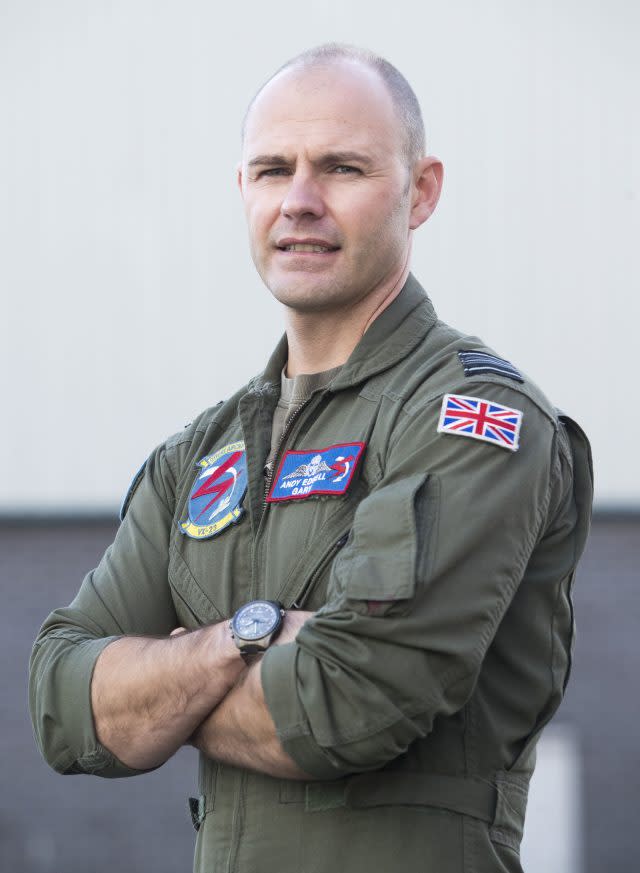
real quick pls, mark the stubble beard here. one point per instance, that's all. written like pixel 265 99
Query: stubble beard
pixel 334 293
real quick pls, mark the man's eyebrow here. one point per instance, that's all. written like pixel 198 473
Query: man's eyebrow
pixel 268 161
pixel 347 157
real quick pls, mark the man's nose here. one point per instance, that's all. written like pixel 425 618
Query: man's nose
pixel 303 197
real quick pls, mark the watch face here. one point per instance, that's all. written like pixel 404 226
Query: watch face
pixel 256 620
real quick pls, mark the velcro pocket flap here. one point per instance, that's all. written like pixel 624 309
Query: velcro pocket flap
pixel 380 562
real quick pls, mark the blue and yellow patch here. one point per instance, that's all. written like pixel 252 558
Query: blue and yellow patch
pixel 217 493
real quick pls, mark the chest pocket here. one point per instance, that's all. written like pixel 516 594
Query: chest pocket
pixel 193 603
pixel 210 577
pixel 210 542
pixel 306 581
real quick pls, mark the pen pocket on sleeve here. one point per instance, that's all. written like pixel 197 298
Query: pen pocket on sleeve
pixel 388 551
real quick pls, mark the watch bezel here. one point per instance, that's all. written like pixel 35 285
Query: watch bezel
pixel 257 643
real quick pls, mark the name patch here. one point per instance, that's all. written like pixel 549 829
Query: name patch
pixel 481 420
pixel 317 471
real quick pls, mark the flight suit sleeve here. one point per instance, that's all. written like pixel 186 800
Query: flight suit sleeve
pixel 435 555
pixel 128 593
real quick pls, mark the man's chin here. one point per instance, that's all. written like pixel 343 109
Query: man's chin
pixel 309 297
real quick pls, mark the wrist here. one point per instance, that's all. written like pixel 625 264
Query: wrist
pixel 223 660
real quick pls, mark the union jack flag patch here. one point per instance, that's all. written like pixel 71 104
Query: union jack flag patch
pixel 481 420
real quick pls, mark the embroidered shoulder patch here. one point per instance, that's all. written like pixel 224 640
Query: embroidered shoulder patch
pixel 131 491
pixel 476 363
pixel 316 471
pixel 217 493
pixel 481 420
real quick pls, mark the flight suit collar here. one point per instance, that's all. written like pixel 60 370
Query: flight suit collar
pixel 391 337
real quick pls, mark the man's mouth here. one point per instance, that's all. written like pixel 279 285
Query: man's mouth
pixel 312 247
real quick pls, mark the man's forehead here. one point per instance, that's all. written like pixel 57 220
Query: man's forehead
pixel 317 141
pixel 305 81
pixel 340 108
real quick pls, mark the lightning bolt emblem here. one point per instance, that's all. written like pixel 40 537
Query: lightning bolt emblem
pixel 213 486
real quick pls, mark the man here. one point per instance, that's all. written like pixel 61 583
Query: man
pixel 411 499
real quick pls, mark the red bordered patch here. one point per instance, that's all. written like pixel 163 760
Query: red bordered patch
pixel 316 471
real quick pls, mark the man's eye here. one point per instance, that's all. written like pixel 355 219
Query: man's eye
pixel 273 171
pixel 344 169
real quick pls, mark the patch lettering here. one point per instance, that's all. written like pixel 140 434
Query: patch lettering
pixel 316 471
pixel 217 493
pixel 477 363
pixel 481 420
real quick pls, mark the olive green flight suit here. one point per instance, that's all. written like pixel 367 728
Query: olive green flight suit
pixel 441 643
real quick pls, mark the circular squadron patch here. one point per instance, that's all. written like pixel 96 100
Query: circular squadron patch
pixel 219 488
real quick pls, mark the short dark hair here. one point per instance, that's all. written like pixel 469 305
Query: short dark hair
pixel 403 96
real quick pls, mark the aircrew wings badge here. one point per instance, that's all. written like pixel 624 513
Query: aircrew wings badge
pixel 481 420
pixel 218 491
pixel 315 471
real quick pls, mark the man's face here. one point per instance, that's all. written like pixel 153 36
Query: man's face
pixel 326 187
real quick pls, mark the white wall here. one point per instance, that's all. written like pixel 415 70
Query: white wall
pixel 128 298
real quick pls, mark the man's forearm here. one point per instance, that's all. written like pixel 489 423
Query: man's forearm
pixel 241 732
pixel 148 696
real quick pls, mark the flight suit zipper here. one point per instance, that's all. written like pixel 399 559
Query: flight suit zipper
pixel 237 823
pixel 276 455
pixel 255 592
pixel 238 811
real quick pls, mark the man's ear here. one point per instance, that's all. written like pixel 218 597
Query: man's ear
pixel 428 174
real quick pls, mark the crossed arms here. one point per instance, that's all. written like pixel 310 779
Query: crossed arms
pixel 151 696
pixel 357 688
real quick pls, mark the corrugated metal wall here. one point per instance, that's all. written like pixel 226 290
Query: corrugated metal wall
pixel 129 301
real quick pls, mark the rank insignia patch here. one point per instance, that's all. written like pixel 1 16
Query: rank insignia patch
pixel 317 471
pixel 480 420
pixel 220 486
pixel 478 363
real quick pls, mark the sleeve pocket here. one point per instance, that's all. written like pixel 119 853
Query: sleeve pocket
pixel 388 549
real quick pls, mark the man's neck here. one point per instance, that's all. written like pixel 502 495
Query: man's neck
pixel 320 341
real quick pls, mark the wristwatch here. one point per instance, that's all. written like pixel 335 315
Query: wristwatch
pixel 256 625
